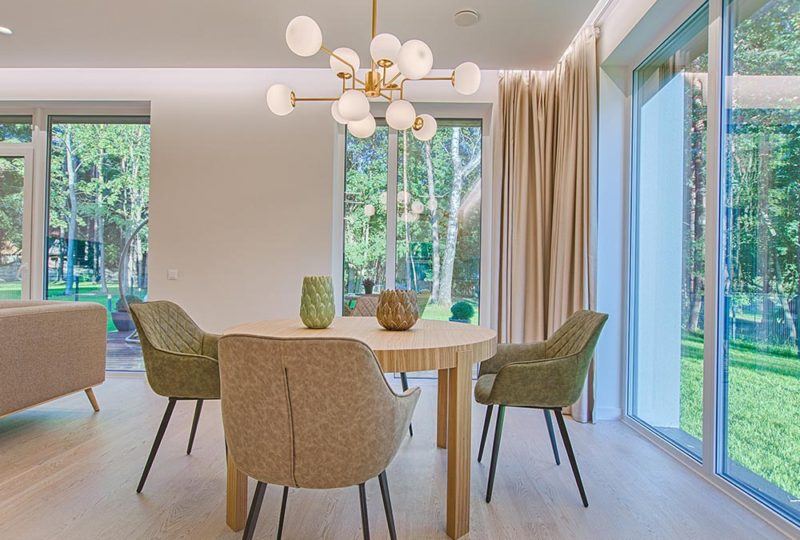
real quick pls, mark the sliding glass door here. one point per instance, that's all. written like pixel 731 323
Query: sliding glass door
pixel 760 390
pixel 666 384
pixel 715 249
pixel 96 231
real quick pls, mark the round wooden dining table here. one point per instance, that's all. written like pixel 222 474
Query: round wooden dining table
pixel 447 347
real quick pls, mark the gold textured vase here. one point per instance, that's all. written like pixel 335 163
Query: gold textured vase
pixel 397 310
pixel 316 304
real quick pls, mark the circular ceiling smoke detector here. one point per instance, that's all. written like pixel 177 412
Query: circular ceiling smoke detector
pixel 466 17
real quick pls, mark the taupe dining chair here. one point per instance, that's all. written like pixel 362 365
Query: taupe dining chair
pixel 547 375
pixel 286 424
pixel 180 360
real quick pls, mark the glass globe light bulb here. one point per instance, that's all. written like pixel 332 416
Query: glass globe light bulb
pixel 400 115
pixel 335 113
pixel 362 128
pixel 279 99
pixel 427 129
pixel 337 66
pixel 353 105
pixel 467 78
pixel 384 47
pixel 303 36
pixel 415 59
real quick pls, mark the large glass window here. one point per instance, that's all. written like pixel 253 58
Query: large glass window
pixel 434 234
pixel 761 238
pixel 439 219
pixel 97 238
pixel 365 183
pixel 669 232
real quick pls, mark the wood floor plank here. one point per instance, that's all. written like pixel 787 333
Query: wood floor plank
pixel 69 473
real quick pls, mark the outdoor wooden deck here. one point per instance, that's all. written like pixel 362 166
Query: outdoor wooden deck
pixel 122 356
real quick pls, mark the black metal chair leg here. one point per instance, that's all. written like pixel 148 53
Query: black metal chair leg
pixel 387 505
pixel 283 511
pixel 362 495
pixel 552 435
pixel 486 422
pixel 156 443
pixel 255 508
pixel 498 432
pixel 197 410
pixel 404 384
pixel 565 438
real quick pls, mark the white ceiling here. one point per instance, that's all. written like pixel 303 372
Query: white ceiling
pixel 250 33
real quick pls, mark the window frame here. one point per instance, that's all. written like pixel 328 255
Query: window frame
pixel 444 111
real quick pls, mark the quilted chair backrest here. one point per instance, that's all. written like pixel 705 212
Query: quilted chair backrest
pixel 164 325
pixel 578 334
pixel 314 413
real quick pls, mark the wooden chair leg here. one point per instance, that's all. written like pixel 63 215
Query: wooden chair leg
pixel 362 495
pixel 255 508
pixel 283 511
pixel 92 399
pixel 486 422
pixel 156 443
pixel 498 432
pixel 565 438
pixel 387 505
pixel 197 409
pixel 404 384
pixel 552 435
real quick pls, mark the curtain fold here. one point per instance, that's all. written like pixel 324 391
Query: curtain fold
pixel 545 152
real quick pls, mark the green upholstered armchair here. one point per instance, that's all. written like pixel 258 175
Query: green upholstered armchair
pixel 180 360
pixel 547 375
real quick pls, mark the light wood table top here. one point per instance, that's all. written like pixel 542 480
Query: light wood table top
pixel 429 345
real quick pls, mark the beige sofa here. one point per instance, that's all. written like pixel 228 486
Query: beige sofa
pixel 49 350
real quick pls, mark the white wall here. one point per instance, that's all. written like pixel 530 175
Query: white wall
pixel 240 200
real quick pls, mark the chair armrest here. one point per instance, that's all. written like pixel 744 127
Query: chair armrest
pixel 183 375
pixel 211 345
pixel 508 353
pixel 553 382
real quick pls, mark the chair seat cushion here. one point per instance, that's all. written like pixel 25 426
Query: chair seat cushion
pixel 483 388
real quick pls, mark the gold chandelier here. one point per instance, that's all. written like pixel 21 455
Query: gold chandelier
pixel 392 65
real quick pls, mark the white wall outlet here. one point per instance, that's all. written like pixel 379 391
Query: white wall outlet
pixel 172 273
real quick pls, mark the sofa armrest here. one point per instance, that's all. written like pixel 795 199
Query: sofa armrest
pixel 48 350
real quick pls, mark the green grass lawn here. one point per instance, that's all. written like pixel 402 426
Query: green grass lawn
pixel 763 408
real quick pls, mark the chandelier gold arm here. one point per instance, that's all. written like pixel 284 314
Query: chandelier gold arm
pixel 343 61
pixel 296 99
pixel 451 78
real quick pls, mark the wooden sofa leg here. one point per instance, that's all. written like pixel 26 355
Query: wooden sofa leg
pixel 92 399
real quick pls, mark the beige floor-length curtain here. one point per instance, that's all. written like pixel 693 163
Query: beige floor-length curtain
pixel 545 150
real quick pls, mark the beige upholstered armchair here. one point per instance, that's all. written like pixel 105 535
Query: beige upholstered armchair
pixel 180 360
pixel 286 424
pixel 548 375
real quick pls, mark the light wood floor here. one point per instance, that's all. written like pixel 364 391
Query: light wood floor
pixel 68 473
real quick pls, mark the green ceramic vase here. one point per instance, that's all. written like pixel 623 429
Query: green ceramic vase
pixel 316 305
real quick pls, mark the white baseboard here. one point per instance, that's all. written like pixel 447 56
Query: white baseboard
pixel 607 413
